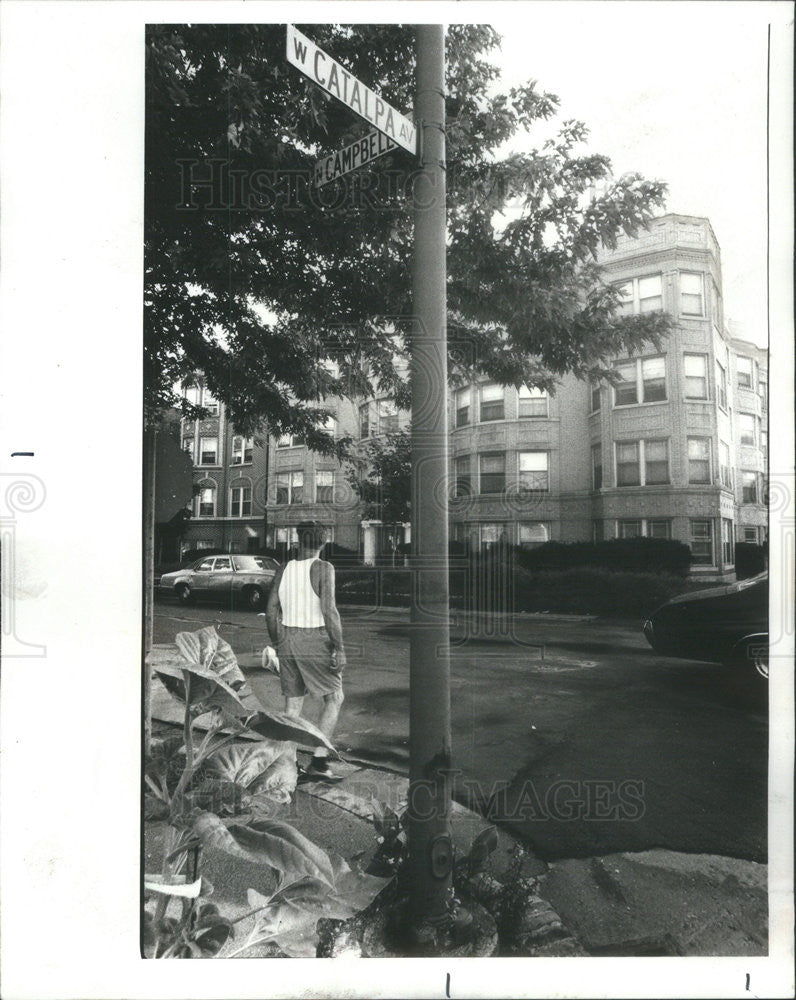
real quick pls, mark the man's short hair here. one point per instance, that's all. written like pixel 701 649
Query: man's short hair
pixel 311 534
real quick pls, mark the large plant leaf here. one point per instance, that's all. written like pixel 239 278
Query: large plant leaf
pixel 207 688
pixel 244 765
pixel 278 726
pixel 278 782
pixel 266 842
pixel 206 650
pixel 176 886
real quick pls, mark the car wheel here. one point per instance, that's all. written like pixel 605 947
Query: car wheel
pixel 752 657
pixel 183 592
pixel 254 598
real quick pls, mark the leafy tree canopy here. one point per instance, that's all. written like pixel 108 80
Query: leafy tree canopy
pixel 283 294
pixel 381 477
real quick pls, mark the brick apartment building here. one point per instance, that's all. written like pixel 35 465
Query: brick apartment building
pixel 678 449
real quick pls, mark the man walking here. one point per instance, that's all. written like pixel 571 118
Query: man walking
pixel 304 625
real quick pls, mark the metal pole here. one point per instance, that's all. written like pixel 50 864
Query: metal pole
pixel 430 850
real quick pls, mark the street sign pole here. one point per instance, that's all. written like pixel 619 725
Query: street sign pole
pixel 429 835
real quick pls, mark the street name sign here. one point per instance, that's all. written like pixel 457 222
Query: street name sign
pixel 322 69
pixel 358 154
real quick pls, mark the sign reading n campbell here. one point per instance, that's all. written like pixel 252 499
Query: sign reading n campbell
pixel 322 69
pixel 358 154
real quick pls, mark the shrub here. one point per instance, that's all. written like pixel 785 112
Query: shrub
pixel 749 560
pixel 639 555
pixel 594 591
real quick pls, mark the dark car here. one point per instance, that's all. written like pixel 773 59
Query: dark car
pixel 726 624
pixel 223 577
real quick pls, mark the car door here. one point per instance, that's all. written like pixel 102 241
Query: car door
pixel 220 582
pixel 201 577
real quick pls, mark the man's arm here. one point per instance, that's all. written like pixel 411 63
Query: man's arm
pixel 273 608
pixel 331 616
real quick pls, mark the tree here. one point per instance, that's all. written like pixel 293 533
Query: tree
pixel 381 476
pixel 283 295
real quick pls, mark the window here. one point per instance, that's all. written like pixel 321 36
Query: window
pixel 596 394
pixel 192 394
pixel 286 536
pixel 492 403
pixel 493 472
pixel 656 462
pixel 644 528
pixel 762 391
pixel 205 566
pixel 242 450
pixel 463 484
pixel 387 417
pixel 209 402
pixel 463 406
pixel 727 542
pixel 534 473
pixel 364 420
pixel 597 531
pixel 324 487
pixel 749 487
pixel 746 427
pixel 188 445
pixel 721 385
pixel 691 294
pixel 699 460
pixel 596 466
pixel 696 376
pixel 640 295
pixel 750 535
pixel 744 368
pixel 206 501
pixel 764 444
pixel 531 402
pixel 289 487
pixel 715 301
pixel 702 542
pixel 240 501
pixel 491 535
pixel 627 464
pixel 641 381
pixel 208 451
pixel 725 473
pixel 642 463
pixel 532 534
pixel 289 441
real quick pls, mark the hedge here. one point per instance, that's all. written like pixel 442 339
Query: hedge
pixel 638 555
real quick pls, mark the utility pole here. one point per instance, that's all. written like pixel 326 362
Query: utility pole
pixel 430 847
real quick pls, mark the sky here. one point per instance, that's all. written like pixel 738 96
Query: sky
pixel 676 92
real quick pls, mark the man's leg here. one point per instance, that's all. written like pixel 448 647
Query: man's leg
pixel 293 706
pixel 329 715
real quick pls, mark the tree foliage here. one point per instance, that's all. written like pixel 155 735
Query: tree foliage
pixel 381 477
pixel 261 281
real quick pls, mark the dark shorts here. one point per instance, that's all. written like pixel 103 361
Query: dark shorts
pixel 305 660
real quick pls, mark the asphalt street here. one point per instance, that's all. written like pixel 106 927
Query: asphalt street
pixel 572 732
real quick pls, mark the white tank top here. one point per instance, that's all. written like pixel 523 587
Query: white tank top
pixel 301 606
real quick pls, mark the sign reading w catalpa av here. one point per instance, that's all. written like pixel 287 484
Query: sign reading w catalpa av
pixel 314 63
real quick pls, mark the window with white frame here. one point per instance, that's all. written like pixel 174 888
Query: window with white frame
pixel 534 470
pixel 240 501
pixel 696 376
pixel 209 402
pixel 192 394
pixel 289 441
pixel 208 451
pixel 189 445
pixel 596 466
pixel 750 535
pixel 387 416
pixel 744 371
pixel 596 397
pixel 699 461
pixel 492 472
pixel 490 535
pixel 642 463
pixel 531 402
pixel 206 501
pixel 691 301
pixel 701 542
pixel 492 402
pixel 463 406
pixel 725 470
pixel 324 486
pixel 721 385
pixel 746 429
pixel 749 487
pixel 289 487
pixel 642 380
pixel 641 295
pixel 532 534
pixel 727 542
pixel 762 391
pixel 644 528
pixel 242 450
pixel 328 424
